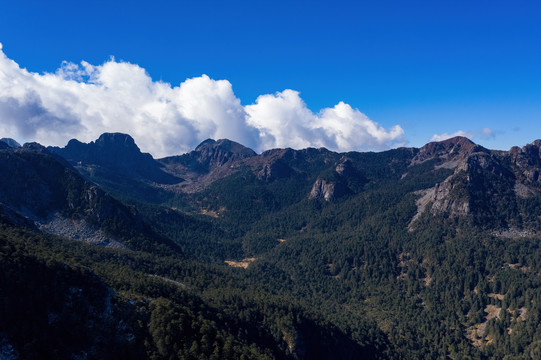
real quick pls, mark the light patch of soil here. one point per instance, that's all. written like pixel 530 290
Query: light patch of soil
pixel 496 296
pixel 518 315
pixel 244 263
pixel 210 213
pixel 492 311
pixel 427 280
pixel 518 266
pixel 476 333
pixel 523 191
pixel 522 314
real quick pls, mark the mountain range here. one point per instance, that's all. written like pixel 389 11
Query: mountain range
pixel 410 253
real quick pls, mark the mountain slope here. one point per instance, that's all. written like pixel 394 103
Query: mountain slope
pixel 116 163
pixel 45 189
pixel 407 253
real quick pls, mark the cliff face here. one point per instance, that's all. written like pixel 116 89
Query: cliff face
pixel 114 155
pixel 485 184
pixel 527 161
pixel 328 191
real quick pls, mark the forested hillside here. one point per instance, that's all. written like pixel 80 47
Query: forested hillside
pixel 427 253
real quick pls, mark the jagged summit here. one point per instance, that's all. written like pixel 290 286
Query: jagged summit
pixel 117 154
pixel 10 143
pixel 226 145
pixel 211 154
pixel 110 149
pixel 456 147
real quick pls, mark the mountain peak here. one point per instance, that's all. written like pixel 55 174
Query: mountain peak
pixel 227 146
pixel 116 152
pixel 10 143
pixel 454 144
pixel 116 139
pixel 455 147
pixel 215 153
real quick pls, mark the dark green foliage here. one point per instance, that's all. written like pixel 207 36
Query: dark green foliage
pixel 344 279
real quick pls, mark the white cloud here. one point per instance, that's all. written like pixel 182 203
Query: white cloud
pixel 284 120
pixel 82 101
pixel 487 134
pixel 484 133
pixel 440 137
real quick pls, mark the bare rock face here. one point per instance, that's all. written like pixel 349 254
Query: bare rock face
pixel 449 152
pixel 443 203
pixel 477 173
pixel 114 154
pixel 484 162
pixel 211 154
pixel 345 168
pixel 528 161
pixel 327 191
pixel 276 169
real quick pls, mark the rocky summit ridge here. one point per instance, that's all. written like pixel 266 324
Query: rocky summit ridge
pixel 475 178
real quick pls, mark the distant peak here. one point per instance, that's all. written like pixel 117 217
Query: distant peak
pixel 10 143
pixel 450 148
pixel 34 146
pixel 457 140
pixel 457 144
pixel 115 138
pixel 206 144
pixel 227 146
pixel 536 143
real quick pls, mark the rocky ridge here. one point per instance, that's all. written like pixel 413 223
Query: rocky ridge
pixel 478 179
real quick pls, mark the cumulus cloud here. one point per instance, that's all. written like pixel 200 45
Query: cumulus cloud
pixel 284 120
pixel 82 101
pixel 440 137
pixel 485 134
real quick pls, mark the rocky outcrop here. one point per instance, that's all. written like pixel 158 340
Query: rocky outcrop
pixel 480 183
pixel 527 161
pixel 209 155
pixel 273 170
pixel 211 160
pixel 448 153
pixel 79 229
pixel 443 202
pixel 114 154
pixel 212 153
pixel 345 168
pixel 328 191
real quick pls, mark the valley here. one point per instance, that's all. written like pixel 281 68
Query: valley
pixel 223 253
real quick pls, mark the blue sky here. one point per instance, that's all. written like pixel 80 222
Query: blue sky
pixel 430 67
